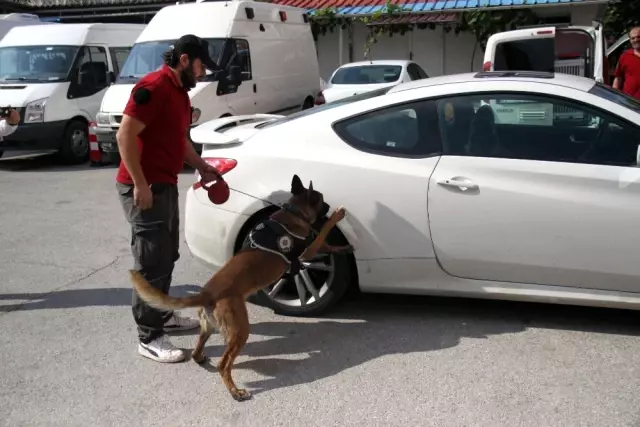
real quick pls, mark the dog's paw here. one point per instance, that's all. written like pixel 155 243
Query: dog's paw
pixel 241 395
pixel 199 358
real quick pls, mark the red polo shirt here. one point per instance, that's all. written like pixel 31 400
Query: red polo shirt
pixel 628 70
pixel 165 109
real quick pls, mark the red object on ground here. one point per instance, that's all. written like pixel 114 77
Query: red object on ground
pixel 95 156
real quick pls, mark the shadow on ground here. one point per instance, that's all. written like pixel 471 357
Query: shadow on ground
pixel 376 326
pixel 75 298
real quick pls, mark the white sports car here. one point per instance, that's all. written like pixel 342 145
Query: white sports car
pixel 504 185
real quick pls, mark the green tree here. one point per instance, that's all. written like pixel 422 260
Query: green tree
pixel 621 16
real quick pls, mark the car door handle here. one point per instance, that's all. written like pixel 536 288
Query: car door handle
pixel 461 183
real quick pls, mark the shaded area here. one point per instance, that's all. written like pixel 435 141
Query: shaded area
pixel 377 326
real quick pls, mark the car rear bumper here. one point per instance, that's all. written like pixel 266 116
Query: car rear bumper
pixel 210 231
pixel 35 136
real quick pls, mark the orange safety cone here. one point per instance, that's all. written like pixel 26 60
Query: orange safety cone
pixel 95 155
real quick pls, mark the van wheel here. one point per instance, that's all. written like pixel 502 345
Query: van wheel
pixel 75 143
pixel 308 103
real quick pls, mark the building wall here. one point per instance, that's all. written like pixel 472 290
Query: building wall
pixel 437 52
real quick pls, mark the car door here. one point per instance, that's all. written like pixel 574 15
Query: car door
pixel 539 201
pixel 93 67
pixel 245 100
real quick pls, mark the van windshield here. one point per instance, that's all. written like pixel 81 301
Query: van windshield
pixel 36 64
pixel 146 57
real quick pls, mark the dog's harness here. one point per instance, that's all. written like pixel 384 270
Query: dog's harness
pixel 271 236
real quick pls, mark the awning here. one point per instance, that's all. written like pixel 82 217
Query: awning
pixel 367 7
pixel 423 18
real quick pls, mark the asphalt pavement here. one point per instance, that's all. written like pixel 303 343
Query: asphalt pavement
pixel 68 344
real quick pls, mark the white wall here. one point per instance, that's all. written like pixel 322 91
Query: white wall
pixel 427 45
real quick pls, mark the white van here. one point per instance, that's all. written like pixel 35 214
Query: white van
pixel 56 77
pixel 271 44
pixel 10 20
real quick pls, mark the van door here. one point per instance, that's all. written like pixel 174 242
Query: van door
pixel 245 100
pixel 613 55
pixel 90 80
pixel 528 49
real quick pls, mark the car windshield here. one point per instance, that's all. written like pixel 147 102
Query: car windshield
pixel 327 106
pixel 36 64
pixel 146 57
pixel 616 96
pixel 367 74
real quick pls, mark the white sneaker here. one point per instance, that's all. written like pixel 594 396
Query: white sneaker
pixel 161 350
pixel 180 323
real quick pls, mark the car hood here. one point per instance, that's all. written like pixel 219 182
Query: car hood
pixel 335 92
pixel 117 96
pixel 20 94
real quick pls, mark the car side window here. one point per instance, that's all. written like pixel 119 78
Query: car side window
pixel 536 127
pixel 405 130
pixel 412 70
pixel 243 58
pixel 90 70
pixel 421 73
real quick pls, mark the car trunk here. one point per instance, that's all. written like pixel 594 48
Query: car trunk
pixel 561 50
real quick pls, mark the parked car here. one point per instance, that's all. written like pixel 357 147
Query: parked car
pixel 359 77
pixel 55 76
pixel 441 198
pixel 251 35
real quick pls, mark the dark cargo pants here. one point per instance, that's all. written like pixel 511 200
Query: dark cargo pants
pixel 155 240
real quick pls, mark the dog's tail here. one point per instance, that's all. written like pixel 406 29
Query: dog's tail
pixel 157 299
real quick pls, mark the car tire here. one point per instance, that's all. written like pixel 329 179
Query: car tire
pixel 332 288
pixel 75 143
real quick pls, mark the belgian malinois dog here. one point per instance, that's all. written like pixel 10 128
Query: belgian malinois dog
pixel 271 248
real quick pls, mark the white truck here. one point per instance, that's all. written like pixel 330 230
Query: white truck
pixel 271 46
pixel 56 78
pixel 11 20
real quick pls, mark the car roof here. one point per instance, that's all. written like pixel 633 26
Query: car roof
pixel 377 62
pixel 575 82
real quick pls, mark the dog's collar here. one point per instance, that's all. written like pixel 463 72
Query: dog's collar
pixel 295 211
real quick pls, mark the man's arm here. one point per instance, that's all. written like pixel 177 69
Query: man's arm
pixel 617 84
pixel 191 157
pixel 127 137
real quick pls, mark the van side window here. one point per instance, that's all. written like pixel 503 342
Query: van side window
pixel 119 55
pixel 243 58
pixel 90 72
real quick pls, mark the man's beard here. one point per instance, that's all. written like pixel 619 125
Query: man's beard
pixel 188 78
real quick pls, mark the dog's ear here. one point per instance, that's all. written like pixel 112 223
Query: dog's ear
pixel 310 186
pixel 296 186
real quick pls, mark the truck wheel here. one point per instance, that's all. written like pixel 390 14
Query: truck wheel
pixel 75 143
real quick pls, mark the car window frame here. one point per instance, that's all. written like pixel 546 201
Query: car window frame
pixel 338 125
pixel 589 108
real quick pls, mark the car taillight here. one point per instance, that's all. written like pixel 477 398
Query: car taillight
pixel 319 99
pixel 486 66
pixel 222 165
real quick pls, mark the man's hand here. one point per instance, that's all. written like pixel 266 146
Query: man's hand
pixel 14 117
pixel 208 173
pixel 142 197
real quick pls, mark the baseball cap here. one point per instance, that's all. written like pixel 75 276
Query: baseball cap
pixel 195 47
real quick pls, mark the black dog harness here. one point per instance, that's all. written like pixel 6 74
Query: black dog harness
pixel 271 236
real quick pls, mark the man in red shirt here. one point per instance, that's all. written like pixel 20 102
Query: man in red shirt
pixel 153 145
pixel 627 75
